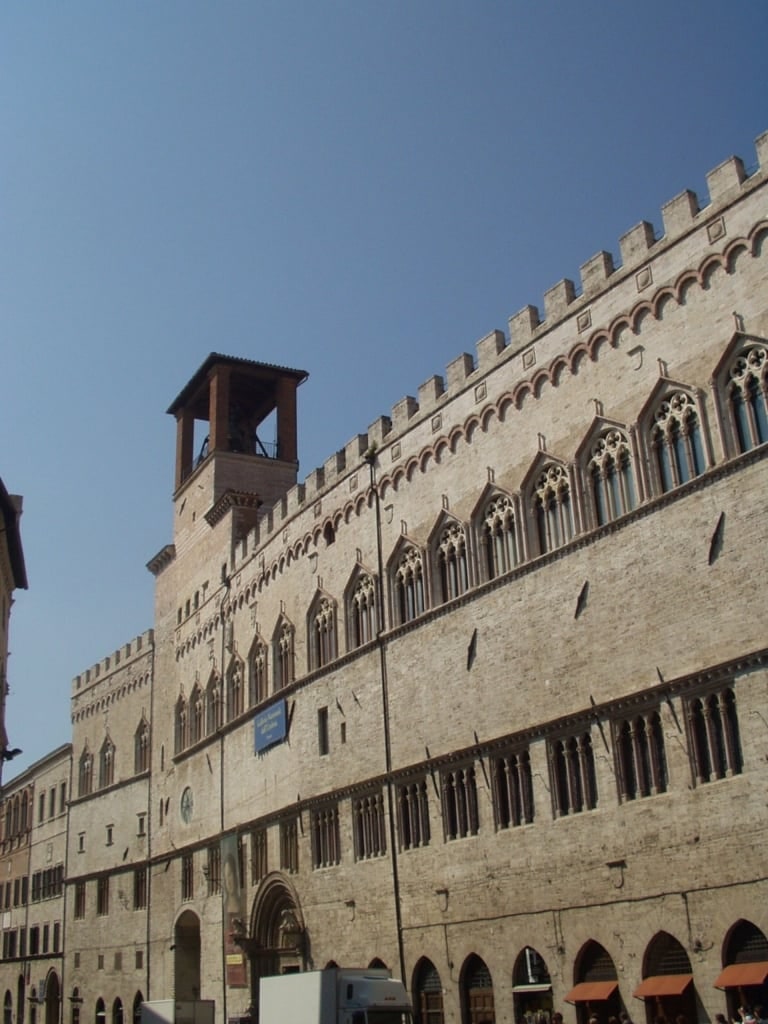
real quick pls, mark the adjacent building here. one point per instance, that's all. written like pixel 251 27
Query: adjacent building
pixel 483 699
pixel 33 850
pixel 13 576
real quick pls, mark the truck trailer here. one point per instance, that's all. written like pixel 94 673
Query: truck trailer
pixel 337 995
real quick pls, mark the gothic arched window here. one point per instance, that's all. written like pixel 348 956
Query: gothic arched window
pixel 572 769
pixel 283 660
pixel 552 508
pixel 196 715
pixel 213 702
pixel 611 476
pixel 676 442
pixel 235 690
pixel 107 764
pixel 714 732
pixel 641 761
pixel 748 397
pixel 141 748
pixel 180 725
pixel 499 537
pixel 322 627
pixel 361 613
pixel 85 773
pixel 450 552
pixel 257 677
pixel 408 584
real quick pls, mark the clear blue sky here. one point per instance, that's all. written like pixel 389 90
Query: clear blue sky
pixel 359 189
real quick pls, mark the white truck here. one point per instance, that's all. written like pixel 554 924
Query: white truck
pixel 337 995
pixel 172 1011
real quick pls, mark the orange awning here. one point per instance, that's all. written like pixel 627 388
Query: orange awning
pixel 739 975
pixel 591 991
pixel 663 985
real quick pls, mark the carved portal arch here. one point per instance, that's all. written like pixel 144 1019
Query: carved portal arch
pixel 277 941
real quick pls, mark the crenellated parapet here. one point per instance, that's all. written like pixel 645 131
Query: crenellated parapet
pixel 615 294
pixel 122 658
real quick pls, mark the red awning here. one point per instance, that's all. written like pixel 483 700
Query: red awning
pixel 663 985
pixel 739 975
pixel 591 991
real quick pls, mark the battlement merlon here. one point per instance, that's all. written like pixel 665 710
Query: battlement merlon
pixel 679 216
pixel 120 659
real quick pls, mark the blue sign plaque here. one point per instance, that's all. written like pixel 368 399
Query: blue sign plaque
pixel 269 727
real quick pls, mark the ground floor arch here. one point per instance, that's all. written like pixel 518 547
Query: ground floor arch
pixel 277 941
pixel 52 998
pixel 186 959
pixel 667 987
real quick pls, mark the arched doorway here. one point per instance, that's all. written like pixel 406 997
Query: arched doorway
pixel 52 998
pixel 278 943
pixel 596 985
pixel 117 1011
pixel 186 961
pixel 531 987
pixel 20 989
pixel 101 1011
pixel 377 964
pixel 427 991
pixel 138 999
pixel 667 986
pixel 476 987
pixel 745 968
pixel 8 1008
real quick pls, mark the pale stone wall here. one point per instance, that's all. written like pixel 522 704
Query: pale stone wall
pixel 29 908
pixel 108 834
pixel 508 663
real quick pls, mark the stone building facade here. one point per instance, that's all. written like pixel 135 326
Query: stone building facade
pixel 33 850
pixel 13 576
pixel 483 698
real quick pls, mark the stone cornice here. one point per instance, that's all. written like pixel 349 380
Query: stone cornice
pixel 162 559
pixel 230 500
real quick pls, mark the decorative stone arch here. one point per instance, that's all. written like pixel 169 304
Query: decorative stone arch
pixel 278 941
pixel 377 964
pixel 138 999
